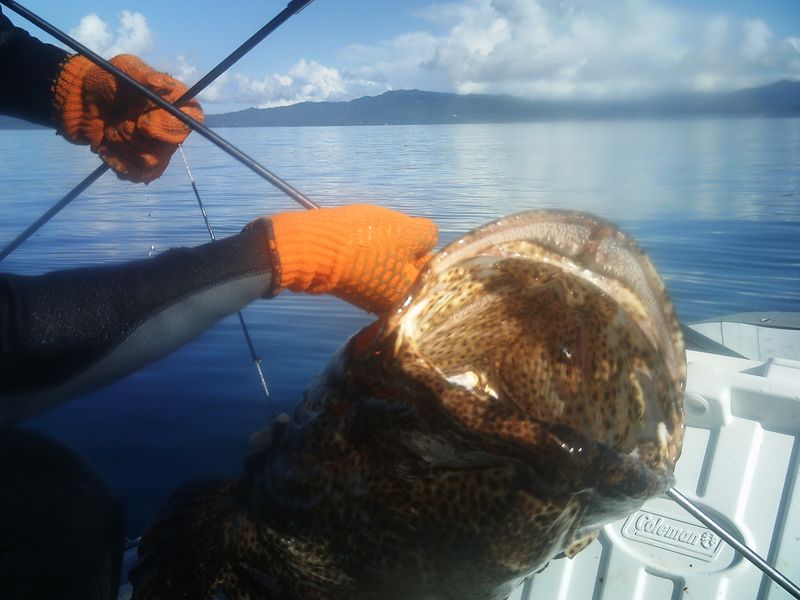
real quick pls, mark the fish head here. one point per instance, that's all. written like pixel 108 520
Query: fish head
pixel 549 339
pixel 526 392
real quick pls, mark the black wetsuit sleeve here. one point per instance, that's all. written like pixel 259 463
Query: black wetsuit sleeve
pixel 28 68
pixel 66 332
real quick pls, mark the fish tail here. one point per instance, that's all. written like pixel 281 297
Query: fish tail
pixel 191 549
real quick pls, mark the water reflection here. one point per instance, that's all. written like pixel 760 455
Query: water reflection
pixel 715 202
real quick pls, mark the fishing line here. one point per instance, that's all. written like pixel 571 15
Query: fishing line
pixel 255 358
pixel 294 7
pixel 741 548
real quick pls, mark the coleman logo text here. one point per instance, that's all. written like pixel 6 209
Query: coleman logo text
pixel 685 538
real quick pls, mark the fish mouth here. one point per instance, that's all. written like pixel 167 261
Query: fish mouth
pixel 551 317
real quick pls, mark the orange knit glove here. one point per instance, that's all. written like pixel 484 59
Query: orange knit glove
pixel 365 254
pixel 126 129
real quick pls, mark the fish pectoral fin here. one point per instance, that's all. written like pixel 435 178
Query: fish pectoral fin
pixel 579 544
pixel 190 550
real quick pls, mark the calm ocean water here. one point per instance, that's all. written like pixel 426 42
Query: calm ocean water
pixel 715 202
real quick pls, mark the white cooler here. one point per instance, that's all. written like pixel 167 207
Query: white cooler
pixel 740 465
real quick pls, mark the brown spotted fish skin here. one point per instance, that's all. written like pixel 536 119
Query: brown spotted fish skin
pixel 528 392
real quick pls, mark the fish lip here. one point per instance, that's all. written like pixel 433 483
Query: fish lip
pixel 577 236
pixel 509 228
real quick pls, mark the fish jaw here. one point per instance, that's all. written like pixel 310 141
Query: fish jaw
pixel 550 333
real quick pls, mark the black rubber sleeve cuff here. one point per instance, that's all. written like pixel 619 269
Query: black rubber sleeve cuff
pixel 272 250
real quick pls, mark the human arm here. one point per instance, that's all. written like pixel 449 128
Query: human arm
pixel 28 68
pixel 67 332
pixel 89 106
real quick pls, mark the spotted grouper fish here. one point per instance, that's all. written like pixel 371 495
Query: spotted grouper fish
pixel 527 392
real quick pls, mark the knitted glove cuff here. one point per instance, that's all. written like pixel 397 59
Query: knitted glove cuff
pixel 272 252
pixel 306 252
pixel 68 101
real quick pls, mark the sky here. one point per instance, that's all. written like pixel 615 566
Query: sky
pixel 342 49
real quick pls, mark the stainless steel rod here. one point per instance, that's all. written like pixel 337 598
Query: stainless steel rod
pixel 741 548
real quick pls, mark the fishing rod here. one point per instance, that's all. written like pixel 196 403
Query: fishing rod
pixel 292 8
pixel 741 548
pixel 253 356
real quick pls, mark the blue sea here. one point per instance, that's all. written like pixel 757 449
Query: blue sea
pixel 715 202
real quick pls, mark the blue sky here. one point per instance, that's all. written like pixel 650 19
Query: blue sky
pixel 341 49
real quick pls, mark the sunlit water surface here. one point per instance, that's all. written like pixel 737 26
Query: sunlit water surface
pixel 715 202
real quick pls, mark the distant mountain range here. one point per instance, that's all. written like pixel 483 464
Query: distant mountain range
pixel 415 107
pixel 412 107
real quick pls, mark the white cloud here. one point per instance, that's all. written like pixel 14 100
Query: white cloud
pixel 217 90
pixel 132 36
pixel 536 48
pixel 757 39
pixel 305 81
pixel 397 63
pixel 182 69
pixel 93 33
pixel 577 48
